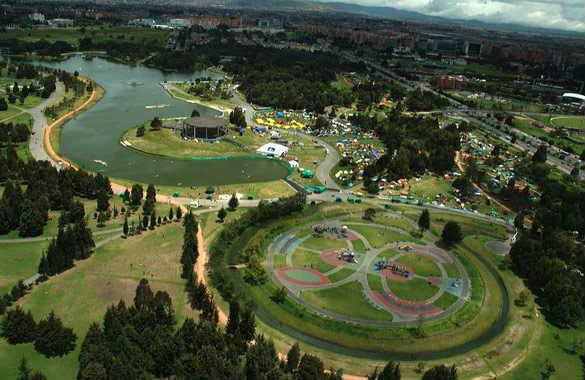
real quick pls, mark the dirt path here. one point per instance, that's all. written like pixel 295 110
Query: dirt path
pixel 200 271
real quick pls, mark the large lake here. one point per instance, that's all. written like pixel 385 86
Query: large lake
pixel 94 134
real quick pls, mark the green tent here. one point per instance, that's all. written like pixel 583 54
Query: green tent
pixel 306 173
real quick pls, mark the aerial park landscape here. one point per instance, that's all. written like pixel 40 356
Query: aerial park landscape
pixel 168 220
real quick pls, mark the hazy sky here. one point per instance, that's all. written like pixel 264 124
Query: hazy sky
pixel 560 14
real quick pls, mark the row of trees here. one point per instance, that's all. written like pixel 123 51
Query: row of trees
pixel 50 337
pixel 73 242
pixel 17 292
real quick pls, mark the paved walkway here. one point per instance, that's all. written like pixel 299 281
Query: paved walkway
pixel 36 143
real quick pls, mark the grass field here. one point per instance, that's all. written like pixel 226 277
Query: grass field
pixel 320 243
pixel 414 290
pixel 348 300
pixel 259 190
pixel 309 259
pixel 81 295
pixel 341 274
pixel 429 187
pixel 358 245
pixel 379 237
pixel 568 122
pixel 19 262
pixel 165 142
pixel 451 269
pixel 525 125
pixel 421 265
pixel 445 300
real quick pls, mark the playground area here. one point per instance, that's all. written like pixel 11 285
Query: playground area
pixel 362 272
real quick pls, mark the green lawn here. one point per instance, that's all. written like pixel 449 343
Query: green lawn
pixel 346 299
pixel 321 243
pixel 341 274
pixel 525 125
pixel 468 226
pixel 309 259
pixel 358 245
pixel 81 295
pixel 9 114
pixel 378 236
pixel 568 122
pixel 19 262
pixel 279 260
pixel 421 265
pixel 452 270
pixel 414 290
pixel 446 300
pixel 375 282
pixel 429 187
pixel 166 143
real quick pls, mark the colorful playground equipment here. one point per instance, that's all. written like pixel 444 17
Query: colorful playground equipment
pixel 397 269
pixel 347 255
pixel 320 229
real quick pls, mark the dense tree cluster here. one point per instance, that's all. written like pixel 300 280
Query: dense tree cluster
pixel 46 189
pixel 413 145
pixel 15 133
pixel 41 47
pixel 50 337
pixel 238 118
pixel 550 255
pixel 372 92
pixel 290 79
pixel 420 100
pixel 141 341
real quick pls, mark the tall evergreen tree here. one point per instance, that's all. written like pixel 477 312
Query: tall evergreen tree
pixel 233 203
pixel 310 368
pixel 452 233
pixel 424 221
pixel 18 326
pixel 53 339
pixel 125 228
pixel 292 358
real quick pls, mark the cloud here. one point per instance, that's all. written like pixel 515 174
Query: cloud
pixel 560 14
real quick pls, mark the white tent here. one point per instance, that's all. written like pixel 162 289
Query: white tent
pixel 272 150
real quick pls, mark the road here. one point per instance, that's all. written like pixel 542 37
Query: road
pixel 36 142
